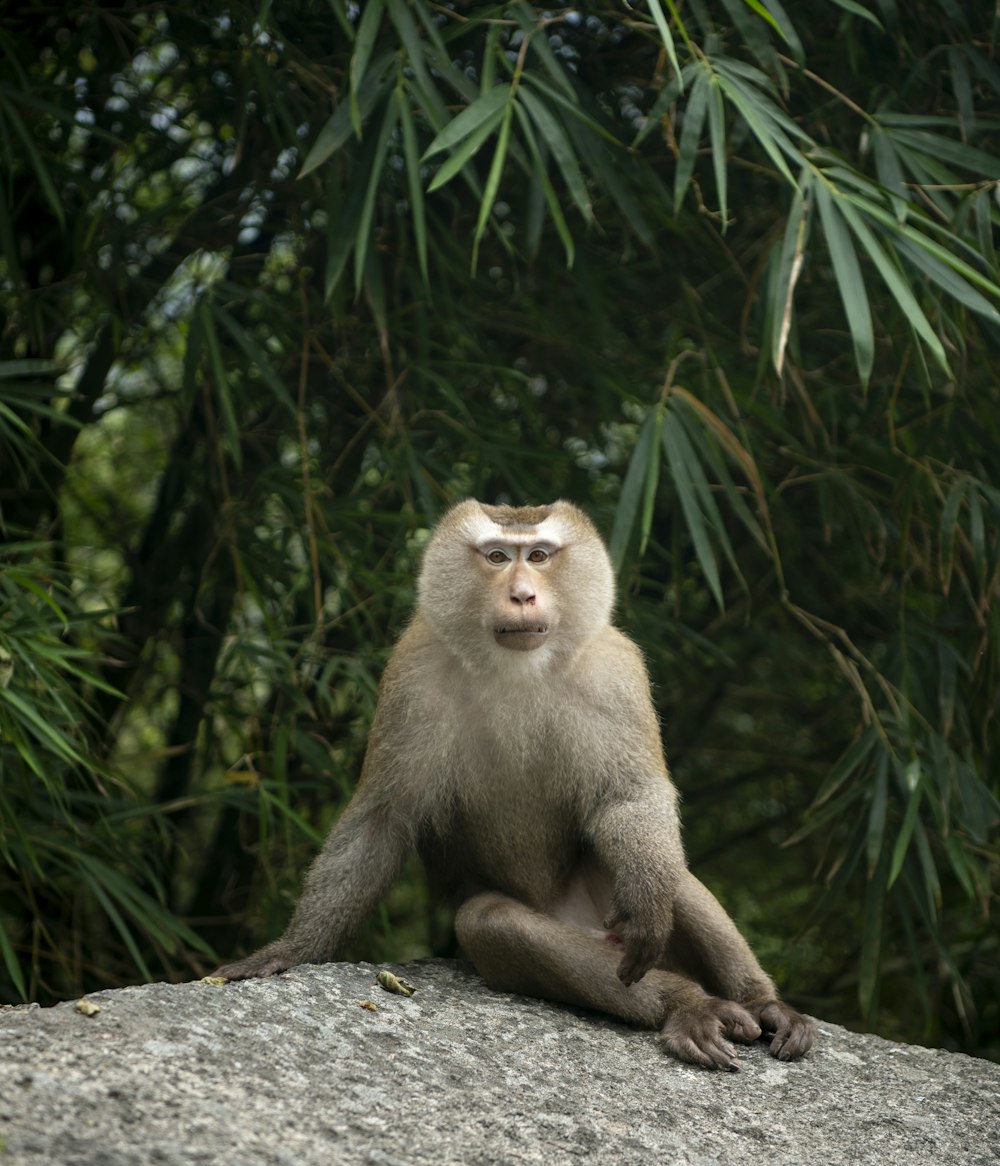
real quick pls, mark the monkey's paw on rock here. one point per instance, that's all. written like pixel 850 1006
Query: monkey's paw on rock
pixel 698 1033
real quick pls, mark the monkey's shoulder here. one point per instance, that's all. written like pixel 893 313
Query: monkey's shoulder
pixel 613 664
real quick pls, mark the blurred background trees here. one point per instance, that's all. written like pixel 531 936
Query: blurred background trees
pixel 280 282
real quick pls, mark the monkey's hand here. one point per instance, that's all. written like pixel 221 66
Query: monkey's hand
pixel 700 1032
pixel 644 946
pixel 267 962
pixel 792 1033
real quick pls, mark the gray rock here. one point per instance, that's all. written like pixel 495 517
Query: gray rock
pixel 292 1071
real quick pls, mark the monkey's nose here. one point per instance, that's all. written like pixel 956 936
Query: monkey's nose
pixel 522 593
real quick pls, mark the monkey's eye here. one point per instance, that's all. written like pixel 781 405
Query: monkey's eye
pixel 538 555
pixel 497 557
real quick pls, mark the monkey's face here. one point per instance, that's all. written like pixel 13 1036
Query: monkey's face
pixel 519 579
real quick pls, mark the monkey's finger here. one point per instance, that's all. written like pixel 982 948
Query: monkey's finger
pixel 633 967
pixel 793 1034
pixel 737 1023
pixel 792 1043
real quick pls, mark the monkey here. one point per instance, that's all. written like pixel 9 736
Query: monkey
pixel 515 746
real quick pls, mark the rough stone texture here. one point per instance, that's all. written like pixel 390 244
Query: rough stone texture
pixel 292 1071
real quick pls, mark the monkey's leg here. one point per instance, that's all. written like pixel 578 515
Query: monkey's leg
pixel 707 945
pixel 517 949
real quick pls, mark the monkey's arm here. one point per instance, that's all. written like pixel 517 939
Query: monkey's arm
pixel 636 837
pixel 361 857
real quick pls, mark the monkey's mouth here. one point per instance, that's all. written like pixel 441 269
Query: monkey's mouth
pixel 521 637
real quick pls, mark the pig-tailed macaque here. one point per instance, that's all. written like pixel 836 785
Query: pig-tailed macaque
pixel 516 748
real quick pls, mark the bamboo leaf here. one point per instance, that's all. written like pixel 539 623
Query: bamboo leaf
pixel 492 182
pixel 652 478
pixel 11 963
pixel 788 269
pixel 890 172
pixel 402 18
pixel 364 227
pixel 852 764
pixel 45 733
pixel 694 120
pixel 859 10
pixel 528 18
pixel 871 938
pixel 41 171
pixel 877 812
pixel 977 535
pixel 899 288
pixel 339 127
pixel 540 176
pixel 439 56
pixel 607 170
pixel 371 19
pixel 752 108
pixel 692 492
pixel 466 152
pixel 668 95
pixel 221 381
pixel 414 182
pixel 667 37
pixel 909 821
pixel 643 465
pixel 850 283
pixel 486 109
pixel 961 84
pixel 559 144
pixel 117 922
pixel 717 133
pixel 945 277
pixel 775 12
pixel 941 148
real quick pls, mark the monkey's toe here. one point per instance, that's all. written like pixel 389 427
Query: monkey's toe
pixel 792 1033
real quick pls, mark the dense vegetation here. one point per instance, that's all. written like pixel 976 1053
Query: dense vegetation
pixel 280 282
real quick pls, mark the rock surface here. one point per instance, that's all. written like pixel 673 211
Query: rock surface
pixel 293 1071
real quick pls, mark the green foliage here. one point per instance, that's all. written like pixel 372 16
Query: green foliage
pixel 280 284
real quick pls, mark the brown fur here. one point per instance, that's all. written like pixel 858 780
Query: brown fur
pixel 533 785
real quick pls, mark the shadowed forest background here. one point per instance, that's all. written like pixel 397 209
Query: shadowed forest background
pixel 279 283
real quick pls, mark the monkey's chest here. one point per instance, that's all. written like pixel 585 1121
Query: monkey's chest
pixel 512 824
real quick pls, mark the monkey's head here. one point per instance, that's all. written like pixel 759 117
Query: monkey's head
pixel 530 581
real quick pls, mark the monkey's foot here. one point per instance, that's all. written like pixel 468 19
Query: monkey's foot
pixel 701 1033
pixel 793 1034
pixel 265 962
